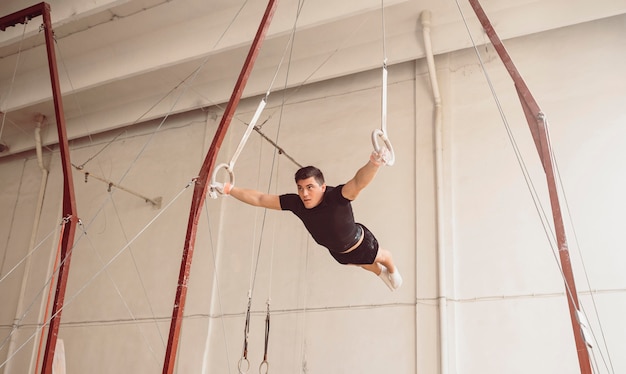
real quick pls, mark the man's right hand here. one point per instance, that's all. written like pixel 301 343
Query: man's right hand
pixel 222 188
pixel 380 158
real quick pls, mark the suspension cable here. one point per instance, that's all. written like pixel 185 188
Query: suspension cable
pixel 17 64
pixel 244 364
pixel 540 210
pixel 229 167
pixel 90 280
pixel 57 257
pixel 27 310
pixel 216 282
pixel 265 366
pixel 608 365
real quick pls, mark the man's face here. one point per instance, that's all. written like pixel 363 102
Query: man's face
pixel 310 192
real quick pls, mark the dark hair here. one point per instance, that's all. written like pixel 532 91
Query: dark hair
pixel 308 172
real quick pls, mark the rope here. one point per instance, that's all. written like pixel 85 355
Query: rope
pixel 57 257
pixel 264 366
pixel 244 364
pixel 538 206
pixel 13 213
pixel 119 293
pixel 32 251
pixel 32 304
pixel 18 323
pixel 578 247
pixel 77 102
pixel 244 359
pixel 304 306
pixel 68 301
pixel 252 125
pixel 193 74
pixel 190 77
pixel 286 97
pixel 17 64
pixel 141 282
pixel 217 285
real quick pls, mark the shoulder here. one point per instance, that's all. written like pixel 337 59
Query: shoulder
pixel 290 201
pixel 337 193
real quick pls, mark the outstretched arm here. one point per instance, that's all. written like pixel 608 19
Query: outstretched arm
pixel 256 198
pixel 361 179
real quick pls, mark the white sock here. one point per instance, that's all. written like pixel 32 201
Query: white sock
pixel 386 277
pixel 395 278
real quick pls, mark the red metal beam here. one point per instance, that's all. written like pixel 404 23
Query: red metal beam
pixel 22 16
pixel 69 201
pixel 535 119
pixel 200 190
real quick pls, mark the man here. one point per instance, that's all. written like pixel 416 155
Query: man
pixel 327 214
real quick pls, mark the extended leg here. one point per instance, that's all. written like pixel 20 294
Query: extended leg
pixel 383 267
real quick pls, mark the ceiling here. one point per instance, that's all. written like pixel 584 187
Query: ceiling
pixel 122 62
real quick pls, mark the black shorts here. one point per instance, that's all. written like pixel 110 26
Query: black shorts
pixel 364 254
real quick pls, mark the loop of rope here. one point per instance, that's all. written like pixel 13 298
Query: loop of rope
pixel 265 364
pixel 246 334
pixel 243 365
pixel 264 367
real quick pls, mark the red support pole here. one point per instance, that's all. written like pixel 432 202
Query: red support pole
pixel 200 190
pixel 536 122
pixel 69 201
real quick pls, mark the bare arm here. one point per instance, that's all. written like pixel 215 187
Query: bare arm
pixel 361 179
pixel 256 198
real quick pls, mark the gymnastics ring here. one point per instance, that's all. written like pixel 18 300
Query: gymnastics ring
pixel 266 365
pixel 231 176
pixel 387 143
pixel 241 361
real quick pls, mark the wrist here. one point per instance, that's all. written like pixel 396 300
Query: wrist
pixel 374 160
pixel 227 188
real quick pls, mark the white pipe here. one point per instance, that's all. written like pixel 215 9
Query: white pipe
pixel 441 254
pixel 27 263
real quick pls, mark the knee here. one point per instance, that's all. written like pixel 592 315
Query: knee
pixel 383 255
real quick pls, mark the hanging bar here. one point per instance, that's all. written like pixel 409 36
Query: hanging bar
pixel 200 190
pixel 537 124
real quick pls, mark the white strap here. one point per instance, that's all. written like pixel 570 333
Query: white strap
pixel 246 135
pixel 231 165
pixel 382 132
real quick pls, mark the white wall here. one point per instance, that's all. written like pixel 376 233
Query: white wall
pixel 508 311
